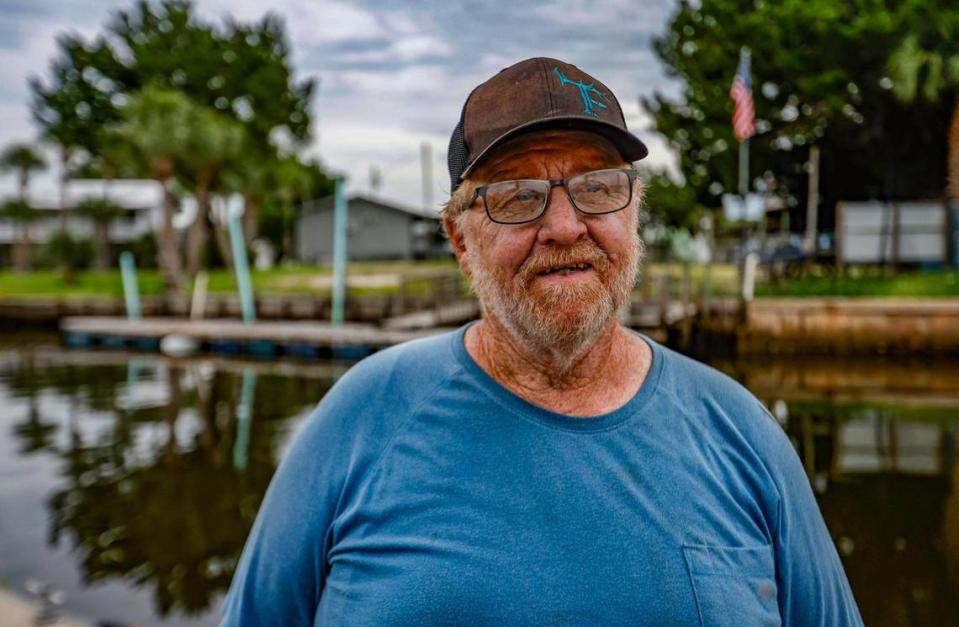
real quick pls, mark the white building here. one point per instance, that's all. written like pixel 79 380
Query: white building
pixel 894 232
pixel 143 200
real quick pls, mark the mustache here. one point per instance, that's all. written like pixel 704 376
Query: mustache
pixel 582 252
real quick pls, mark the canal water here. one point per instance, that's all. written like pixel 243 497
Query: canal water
pixel 128 483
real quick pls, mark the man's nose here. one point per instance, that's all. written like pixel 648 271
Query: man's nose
pixel 562 223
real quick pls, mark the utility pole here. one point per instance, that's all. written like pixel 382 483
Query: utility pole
pixel 426 168
pixel 812 202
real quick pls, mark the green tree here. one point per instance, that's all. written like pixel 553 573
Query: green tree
pixel 157 122
pixel 242 71
pixel 102 213
pixel 294 182
pixel 69 253
pixel 21 159
pixel 819 78
pixel 273 189
pixel 22 215
pixel 215 141
pixel 926 66
pixel 75 104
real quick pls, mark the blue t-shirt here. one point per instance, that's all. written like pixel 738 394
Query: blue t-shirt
pixel 422 492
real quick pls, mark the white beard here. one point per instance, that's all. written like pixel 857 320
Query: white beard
pixel 560 320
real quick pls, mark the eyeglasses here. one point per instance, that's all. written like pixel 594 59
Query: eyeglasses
pixel 525 200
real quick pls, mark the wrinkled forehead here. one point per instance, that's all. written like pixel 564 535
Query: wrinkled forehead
pixel 539 149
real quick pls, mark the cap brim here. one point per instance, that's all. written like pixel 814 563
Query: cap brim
pixel 629 146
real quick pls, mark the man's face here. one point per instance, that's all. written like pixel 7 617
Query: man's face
pixel 516 269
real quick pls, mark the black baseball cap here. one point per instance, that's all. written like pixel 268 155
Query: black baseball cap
pixel 536 94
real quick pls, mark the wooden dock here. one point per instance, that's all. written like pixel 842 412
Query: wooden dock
pixel 452 314
pixel 850 325
pixel 234 337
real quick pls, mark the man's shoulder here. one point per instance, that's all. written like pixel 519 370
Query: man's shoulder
pixel 399 375
pixel 378 395
pixel 419 360
pixel 705 392
pixel 692 376
pixel 722 415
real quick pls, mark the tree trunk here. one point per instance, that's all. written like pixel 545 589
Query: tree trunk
pixel 168 248
pixel 222 237
pixel 251 217
pixel 289 224
pixel 103 244
pixel 952 181
pixel 199 231
pixel 21 249
pixel 168 254
pixel 64 177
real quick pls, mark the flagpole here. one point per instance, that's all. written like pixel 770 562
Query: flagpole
pixel 744 61
pixel 743 190
pixel 744 169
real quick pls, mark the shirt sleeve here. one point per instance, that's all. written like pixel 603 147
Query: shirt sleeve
pixel 280 575
pixel 813 589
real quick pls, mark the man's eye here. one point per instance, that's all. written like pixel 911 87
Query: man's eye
pixel 526 195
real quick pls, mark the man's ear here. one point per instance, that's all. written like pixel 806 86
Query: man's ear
pixel 457 242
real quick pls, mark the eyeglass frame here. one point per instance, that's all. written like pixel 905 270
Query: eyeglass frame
pixel 480 191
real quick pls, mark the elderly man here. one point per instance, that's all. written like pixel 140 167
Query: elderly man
pixel 545 465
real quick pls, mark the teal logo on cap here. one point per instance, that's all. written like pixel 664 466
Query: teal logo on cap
pixel 589 105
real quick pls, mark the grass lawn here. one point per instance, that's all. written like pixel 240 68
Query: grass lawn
pixel 383 277
pixel 288 280
pixel 862 283
pixel 50 283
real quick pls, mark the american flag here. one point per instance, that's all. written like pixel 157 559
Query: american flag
pixel 744 115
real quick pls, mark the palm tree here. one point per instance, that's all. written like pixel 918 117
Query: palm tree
pixel 215 141
pixel 101 212
pixel 156 123
pixel 22 215
pixel 930 69
pixel 23 160
pixel 255 175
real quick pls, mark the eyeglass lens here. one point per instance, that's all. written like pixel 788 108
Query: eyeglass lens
pixel 602 191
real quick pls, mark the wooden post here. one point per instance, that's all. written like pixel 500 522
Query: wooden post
pixel 198 303
pixel 131 293
pixel 812 201
pixel 339 252
pixel 401 296
pixel 895 236
pixel 839 239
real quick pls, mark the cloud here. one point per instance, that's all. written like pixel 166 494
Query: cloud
pixel 391 75
pixel 604 15
pixel 353 148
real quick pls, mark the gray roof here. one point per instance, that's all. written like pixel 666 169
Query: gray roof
pixel 327 203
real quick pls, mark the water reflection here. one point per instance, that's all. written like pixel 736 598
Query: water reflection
pixel 880 444
pixel 162 468
pixel 158 468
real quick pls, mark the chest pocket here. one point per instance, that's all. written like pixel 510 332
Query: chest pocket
pixel 734 586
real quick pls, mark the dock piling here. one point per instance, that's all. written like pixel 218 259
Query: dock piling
pixel 131 293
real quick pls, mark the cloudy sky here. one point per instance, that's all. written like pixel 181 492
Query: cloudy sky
pixel 393 74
